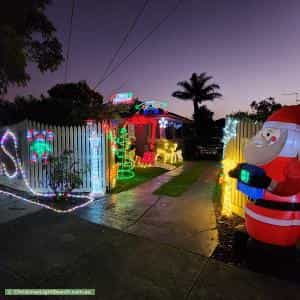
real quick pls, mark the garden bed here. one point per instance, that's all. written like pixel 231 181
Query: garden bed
pixel 226 228
pixel 282 263
pixel 60 205
pixel 63 204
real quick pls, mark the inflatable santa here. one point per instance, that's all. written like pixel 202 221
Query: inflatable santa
pixel 271 179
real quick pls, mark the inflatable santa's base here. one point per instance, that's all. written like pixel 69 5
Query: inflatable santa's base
pixel 274 219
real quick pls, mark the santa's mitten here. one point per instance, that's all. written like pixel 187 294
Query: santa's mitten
pixel 251 175
pixel 235 173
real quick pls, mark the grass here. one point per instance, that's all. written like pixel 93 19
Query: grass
pixel 179 184
pixel 141 175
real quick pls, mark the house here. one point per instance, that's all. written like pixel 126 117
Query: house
pixel 151 126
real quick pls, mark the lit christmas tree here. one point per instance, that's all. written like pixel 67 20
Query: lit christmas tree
pixel 126 164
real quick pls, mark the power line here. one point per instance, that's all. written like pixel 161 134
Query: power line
pixel 69 40
pixel 148 35
pixel 118 88
pixel 124 40
pixel 293 93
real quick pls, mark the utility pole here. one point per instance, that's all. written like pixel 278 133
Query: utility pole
pixel 293 93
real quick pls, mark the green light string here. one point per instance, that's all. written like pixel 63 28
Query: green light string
pixel 126 164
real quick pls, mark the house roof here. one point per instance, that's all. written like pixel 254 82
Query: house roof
pixel 166 114
pixel 179 117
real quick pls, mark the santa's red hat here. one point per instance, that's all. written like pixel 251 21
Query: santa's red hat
pixel 287 117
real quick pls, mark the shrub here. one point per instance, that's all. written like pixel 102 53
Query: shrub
pixel 65 175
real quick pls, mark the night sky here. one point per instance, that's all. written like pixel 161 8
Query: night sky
pixel 250 47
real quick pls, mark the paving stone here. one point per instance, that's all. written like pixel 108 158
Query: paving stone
pixel 219 281
pixel 123 266
pixel 187 221
pixel 9 280
pixel 13 209
pixel 35 244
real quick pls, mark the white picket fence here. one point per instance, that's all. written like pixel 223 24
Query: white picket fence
pixel 74 138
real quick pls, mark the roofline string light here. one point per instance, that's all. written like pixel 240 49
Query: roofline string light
pixel 18 167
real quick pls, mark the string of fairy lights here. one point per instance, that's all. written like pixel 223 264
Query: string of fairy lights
pixel 18 167
pixel 229 131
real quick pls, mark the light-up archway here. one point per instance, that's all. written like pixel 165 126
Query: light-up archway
pixel 144 120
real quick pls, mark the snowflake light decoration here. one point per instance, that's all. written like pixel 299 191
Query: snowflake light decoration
pixel 163 122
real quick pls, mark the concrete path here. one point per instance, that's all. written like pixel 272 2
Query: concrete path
pixel 48 250
pixel 187 222
pixel 123 209
pixel 12 208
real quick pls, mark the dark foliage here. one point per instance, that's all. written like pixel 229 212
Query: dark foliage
pixel 263 109
pixel 67 104
pixel 260 111
pixel 204 123
pixel 115 112
pixel 26 35
pixel 198 90
pixel 204 133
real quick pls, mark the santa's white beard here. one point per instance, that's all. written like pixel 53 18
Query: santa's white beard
pixel 260 151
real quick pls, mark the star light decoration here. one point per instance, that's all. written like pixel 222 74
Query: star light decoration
pixel 163 122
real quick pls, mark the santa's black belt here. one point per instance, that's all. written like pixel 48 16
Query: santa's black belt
pixel 277 205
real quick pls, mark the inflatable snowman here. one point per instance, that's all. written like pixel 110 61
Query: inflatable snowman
pixel 271 179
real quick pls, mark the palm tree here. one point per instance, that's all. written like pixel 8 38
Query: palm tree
pixel 198 90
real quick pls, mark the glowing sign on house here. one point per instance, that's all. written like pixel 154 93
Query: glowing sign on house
pixel 122 98
pixel 156 104
pixel 151 107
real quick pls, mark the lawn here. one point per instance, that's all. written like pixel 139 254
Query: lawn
pixel 141 175
pixel 179 184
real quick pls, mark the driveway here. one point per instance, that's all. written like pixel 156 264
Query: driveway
pixel 187 221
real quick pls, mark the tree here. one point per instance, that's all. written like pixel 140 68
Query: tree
pixel 77 101
pixel 263 109
pixel 26 35
pixel 203 116
pixel 65 104
pixel 198 90
pixel 260 111
pixel 8 113
pixel 204 124
pixel 118 111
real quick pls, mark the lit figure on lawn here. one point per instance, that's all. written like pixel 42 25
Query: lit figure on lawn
pixel 271 179
pixel 40 144
pixel 126 163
